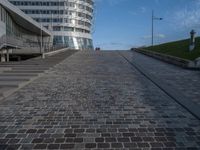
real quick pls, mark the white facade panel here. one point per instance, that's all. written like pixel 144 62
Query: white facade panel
pixel 66 19
pixel 2 29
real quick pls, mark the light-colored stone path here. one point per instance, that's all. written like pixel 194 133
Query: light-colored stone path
pixel 186 81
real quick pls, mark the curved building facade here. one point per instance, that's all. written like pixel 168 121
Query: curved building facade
pixel 70 21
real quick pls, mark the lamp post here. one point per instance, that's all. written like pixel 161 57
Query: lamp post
pixel 41 36
pixel 152 19
pixel 41 40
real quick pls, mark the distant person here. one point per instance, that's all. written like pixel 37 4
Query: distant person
pixel 97 49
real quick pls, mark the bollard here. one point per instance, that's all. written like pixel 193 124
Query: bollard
pixel 7 55
pixel 192 40
pixel 3 57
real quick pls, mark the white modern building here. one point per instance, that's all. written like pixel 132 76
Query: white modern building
pixel 70 21
pixel 19 32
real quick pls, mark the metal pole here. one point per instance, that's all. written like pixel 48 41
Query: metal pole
pixel 41 37
pixel 152 38
pixel 63 26
pixel 51 22
pixel 59 9
pixel 51 40
pixel 7 55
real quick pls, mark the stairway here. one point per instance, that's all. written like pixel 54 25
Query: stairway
pixel 15 75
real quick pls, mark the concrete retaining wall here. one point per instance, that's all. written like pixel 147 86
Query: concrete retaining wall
pixel 171 59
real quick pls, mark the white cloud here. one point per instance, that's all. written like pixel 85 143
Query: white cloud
pixel 188 17
pixel 139 10
pixel 160 36
pixel 133 13
pixel 114 46
pixel 143 9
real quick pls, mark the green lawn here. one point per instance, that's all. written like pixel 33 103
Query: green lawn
pixel 178 49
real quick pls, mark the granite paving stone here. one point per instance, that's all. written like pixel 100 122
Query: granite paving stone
pixel 186 81
pixel 95 100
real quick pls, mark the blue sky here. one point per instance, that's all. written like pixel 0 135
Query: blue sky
pixel 121 24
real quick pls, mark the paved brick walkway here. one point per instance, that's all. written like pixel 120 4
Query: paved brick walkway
pixel 95 100
pixel 187 81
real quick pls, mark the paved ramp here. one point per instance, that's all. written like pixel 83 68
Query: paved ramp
pixel 95 100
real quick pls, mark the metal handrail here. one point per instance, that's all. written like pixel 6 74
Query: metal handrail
pixel 10 41
pixel 17 42
pixel 54 48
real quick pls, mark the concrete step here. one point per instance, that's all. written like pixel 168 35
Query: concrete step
pixel 25 65
pixel 5 90
pixel 5 69
pixel 11 82
pixel 8 85
pixel 19 74
pixel 24 71
pixel 2 76
pixel 7 78
pixel 30 68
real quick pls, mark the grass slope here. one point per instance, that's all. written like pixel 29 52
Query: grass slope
pixel 178 49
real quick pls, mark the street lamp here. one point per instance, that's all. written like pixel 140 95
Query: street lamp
pixel 154 18
pixel 41 35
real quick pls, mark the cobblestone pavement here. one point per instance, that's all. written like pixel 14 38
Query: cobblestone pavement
pixel 187 81
pixel 95 100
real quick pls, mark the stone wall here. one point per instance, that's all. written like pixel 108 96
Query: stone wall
pixel 171 59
